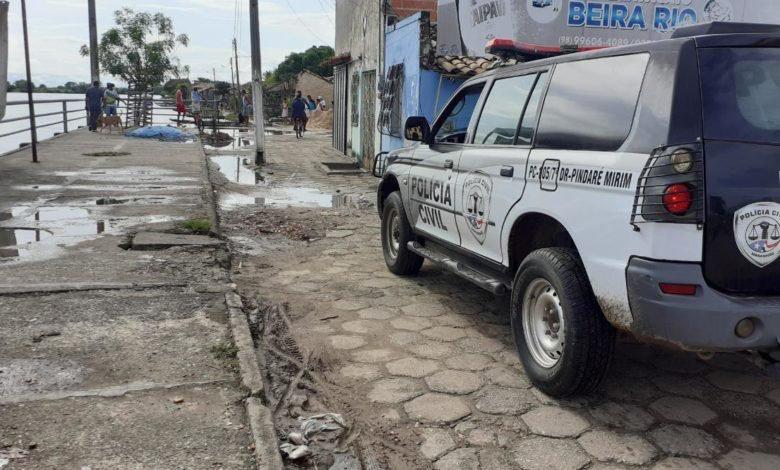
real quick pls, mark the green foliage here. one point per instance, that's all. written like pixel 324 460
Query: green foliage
pixel 139 49
pixel 311 59
pixel 197 225
pixel 170 87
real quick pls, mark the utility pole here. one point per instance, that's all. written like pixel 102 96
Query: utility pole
pixel 238 80
pixel 214 73
pixel 93 43
pixel 33 132
pixel 232 78
pixel 257 77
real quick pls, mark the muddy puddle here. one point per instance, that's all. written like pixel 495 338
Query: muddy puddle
pixel 236 168
pixel 283 197
pixel 127 174
pixel 238 139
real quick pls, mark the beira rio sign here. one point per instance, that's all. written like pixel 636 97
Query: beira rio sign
pixel 546 26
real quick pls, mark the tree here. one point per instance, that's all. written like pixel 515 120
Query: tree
pixel 139 49
pixel 311 59
pixel 21 85
pixel 222 88
pixel 173 84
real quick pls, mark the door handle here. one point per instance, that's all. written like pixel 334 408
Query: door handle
pixel 508 171
pixel 448 163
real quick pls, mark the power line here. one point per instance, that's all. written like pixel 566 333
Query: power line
pixel 327 16
pixel 304 24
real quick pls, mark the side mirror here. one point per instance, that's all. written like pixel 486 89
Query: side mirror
pixel 417 129
pixel 380 164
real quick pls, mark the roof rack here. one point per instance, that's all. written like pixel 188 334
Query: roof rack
pixel 721 27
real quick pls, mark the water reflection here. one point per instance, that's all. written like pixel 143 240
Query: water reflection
pixel 236 168
pixel 292 197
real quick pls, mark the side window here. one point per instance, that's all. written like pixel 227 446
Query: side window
pixel 503 108
pixel 527 126
pixel 452 126
pixel 590 104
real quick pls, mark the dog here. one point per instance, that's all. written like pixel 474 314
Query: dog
pixel 110 122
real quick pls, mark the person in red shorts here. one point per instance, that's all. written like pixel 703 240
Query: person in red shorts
pixel 181 108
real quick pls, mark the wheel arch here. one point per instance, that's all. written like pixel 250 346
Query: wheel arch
pixel 386 187
pixel 535 230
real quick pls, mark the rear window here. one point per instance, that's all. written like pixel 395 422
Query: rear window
pixel 590 103
pixel 741 94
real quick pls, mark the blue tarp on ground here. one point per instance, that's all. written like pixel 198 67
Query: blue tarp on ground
pixel 166 133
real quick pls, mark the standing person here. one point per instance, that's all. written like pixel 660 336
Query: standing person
pixel 285 112
pixel 197 99
pixel 181 108
pixel 247 106
pixel 110 99
pixel 93 103
pixel 321 103
pixel 299 115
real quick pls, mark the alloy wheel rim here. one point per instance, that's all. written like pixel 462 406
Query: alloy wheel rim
pixel 543 323
pixel 393 234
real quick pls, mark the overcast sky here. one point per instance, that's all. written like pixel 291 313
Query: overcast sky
pixel 59 27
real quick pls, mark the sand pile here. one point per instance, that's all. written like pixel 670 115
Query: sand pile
pixel 321 120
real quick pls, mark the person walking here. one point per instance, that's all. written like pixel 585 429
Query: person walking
pixel 299 115
pixel 110 100
pixel 93 103
pixel 197 100
pixel 181 107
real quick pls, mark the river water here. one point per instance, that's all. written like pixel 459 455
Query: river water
pixel 13 111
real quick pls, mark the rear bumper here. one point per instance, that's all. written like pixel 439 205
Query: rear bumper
pixel 705 321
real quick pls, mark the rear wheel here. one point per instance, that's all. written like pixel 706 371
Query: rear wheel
pixel 396 233
pixel 563 339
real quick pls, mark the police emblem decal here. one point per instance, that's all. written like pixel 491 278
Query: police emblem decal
pixel 757 232
pixel 477 187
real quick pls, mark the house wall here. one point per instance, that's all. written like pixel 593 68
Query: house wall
pixel 310 84
pixel 421 86
pixel 405 8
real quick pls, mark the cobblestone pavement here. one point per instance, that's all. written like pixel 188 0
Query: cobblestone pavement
pixel 429 361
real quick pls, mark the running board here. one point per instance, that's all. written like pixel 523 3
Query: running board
pixel 487 282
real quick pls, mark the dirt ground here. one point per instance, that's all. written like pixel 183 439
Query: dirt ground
pixel 423 369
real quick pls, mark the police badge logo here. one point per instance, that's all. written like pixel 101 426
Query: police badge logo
pixel 477 187
pixel 757 232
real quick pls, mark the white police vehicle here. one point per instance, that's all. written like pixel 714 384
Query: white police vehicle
pixel 634 188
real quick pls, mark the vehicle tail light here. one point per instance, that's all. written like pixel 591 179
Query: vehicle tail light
pixel 677 198
pixel 678 289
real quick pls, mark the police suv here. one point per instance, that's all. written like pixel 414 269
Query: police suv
pixel 634 188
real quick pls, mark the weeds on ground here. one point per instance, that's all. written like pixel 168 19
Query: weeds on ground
pixel 197 225
pixel 226 352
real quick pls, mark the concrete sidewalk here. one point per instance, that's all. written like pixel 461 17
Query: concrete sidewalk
pixel 112 357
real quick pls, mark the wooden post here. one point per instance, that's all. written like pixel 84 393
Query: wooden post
pixel 64 116
pixel 93 43
pixel 33 130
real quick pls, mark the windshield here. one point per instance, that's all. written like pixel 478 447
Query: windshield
pixel 741 94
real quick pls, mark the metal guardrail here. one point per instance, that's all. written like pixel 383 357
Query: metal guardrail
pixel 64 112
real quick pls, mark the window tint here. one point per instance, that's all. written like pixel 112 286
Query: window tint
pixel 454 121
pixel 741 93
pixel 531 112
pixel 590 103
pixel 502 110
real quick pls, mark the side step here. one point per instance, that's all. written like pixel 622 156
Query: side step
pixel 487 282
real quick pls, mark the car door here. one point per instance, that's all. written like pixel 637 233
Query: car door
pixel 432 177
pixel 491 170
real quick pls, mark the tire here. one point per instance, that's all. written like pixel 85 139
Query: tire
pixel 562 358
pixel 396 233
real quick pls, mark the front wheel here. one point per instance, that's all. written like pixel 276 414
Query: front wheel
pixel 563 339
pixel 396 233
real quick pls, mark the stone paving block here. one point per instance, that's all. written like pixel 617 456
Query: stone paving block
pixel 349 304
pixel 437 408
pixel 622 388
pixel 377 313
pixel 428 309
pixel 683 410
pixel 505 377
pixel 436 442
pixel 347 341
pixel 453 319
pixel 546 453
pixel 735 382
pixel 469 361
pixel 412 367
pixel 444 333
pixel 774 395
pixel 454 381
pixel 161 241
pixel 623 415
pixel 365 372
pixel 396 390
pixel 495 459
pixel 481 437
pixel 411 323
pixel 683 463
pixel 739 459
pixel 379 283
pixel 376 355
pixel 338 233
pixel 621 448
pixel 461 459
pixel 505 401
pixel 362 326
pixel 676 439
pixel 405 338
pixel 481 344
pixel 432 350
pixel 692 387
pixel 739 436
pixel 553 421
